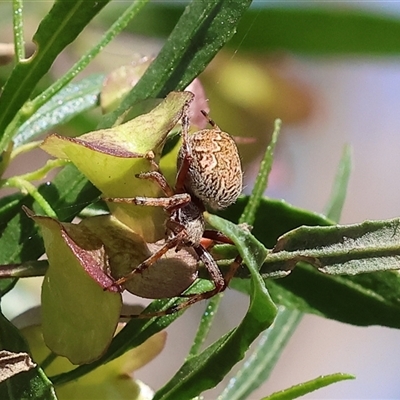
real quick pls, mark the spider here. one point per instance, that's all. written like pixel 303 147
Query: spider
pixel 209 174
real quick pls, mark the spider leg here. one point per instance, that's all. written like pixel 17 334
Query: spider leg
pixel 158 178
pixel 150 156
pixel 175 201
pixel 210 121
pixel 187 159
pixel 220 284
pixel 217 236
pixel 169 244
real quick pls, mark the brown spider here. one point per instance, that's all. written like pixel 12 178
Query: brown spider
pixel 209 173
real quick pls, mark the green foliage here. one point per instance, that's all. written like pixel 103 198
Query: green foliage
pixel 313 29
pixel 307 387
pixel 30 384
pixel 59 28
pixel 75 98
pixel 348 268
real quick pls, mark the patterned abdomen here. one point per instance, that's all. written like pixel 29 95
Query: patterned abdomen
pixel 215 173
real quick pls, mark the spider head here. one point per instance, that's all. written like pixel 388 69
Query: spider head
pixel 190 220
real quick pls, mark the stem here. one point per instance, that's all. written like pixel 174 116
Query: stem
pixel 48 360
pixel 18 27
pixel 22 183
pixel 205 324
pixel 43 171
pixel 27 187
pixel 24 270
pixel 10 131
pixel 114 30
pixel 25 148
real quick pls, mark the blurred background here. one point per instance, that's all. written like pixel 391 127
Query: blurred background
pixel 328 91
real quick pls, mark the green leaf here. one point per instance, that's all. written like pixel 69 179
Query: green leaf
pixel 60 27
pixel 249 213
pixel 32 384
pixel 71 101
pixel 318 30
pixel 122 152
pixel 76 329
pixel 109 382
pixel 272 342
pixel 274 218
pixel 119 82
pixel 339 250
pixel 204 27
pixel 204 371
pixel 307 387
pixel 265 354
pixel 366 299
pixel 15 225
pixel 135 332
pixel 69 193
pixel 335 205
pixel 321 30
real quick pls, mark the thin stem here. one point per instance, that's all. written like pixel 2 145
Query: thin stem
pixel 24 270
pixel 10 131
pixel 48 360
pixel 205 324
pixel 25 148
pixel 114 30
pixel 27 187
pixel 18 27
pixel 43 171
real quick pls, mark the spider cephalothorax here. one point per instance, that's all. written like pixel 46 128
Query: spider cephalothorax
pixel 209 173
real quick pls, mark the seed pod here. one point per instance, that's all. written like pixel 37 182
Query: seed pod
pixel 215 173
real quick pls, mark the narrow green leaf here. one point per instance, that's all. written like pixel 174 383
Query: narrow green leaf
pixel 307 387
pixel 341 249
pixel 205 324
pixel 274 218
pixel 158 19
pixel 74 99
pixel 247 216
pixel 32 384
pixel 204 371
pixel 249 213
pixel 315 30
pixel 334 207
pixel 258 367
pixel 270 345
pixel 18 28
pixel 363 300
pixel 59 28
pixel 272 342
pixel 318 30
pixel 204 27
pixel 115 28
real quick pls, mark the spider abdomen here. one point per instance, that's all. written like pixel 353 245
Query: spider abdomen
pixel 215 173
